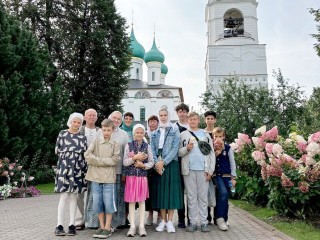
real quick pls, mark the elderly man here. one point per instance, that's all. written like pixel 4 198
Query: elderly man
pixel 90 131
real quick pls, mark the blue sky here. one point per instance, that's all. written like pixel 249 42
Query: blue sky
pixel 283 25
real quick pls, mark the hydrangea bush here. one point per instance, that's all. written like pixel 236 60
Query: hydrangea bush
pixel 289 167
pixel 13 180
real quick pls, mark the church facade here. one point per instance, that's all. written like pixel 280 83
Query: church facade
pixel 145 98
pixel 233 44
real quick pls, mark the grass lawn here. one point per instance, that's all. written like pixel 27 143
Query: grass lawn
pixel 297 229
pixel 46 188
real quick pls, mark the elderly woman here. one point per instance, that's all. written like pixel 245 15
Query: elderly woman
pixel 166 192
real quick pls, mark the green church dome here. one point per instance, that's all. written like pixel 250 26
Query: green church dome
pixel 154 55
pixel 136 48
pixel 164 68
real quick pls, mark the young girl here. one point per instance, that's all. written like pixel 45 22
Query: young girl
pixel 137 159
pixel 166 187
pixel 71 168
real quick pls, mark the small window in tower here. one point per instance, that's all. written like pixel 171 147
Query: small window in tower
pixel 153 76
pixel 233 23
pixel 142 114
pixel 137 72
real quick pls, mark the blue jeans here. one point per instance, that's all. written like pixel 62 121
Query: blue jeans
pixel 223 189
pixel 103 197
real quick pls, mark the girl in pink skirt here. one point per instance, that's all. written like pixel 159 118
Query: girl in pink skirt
pixel 137 159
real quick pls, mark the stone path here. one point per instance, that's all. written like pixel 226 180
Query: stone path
pixel 35 218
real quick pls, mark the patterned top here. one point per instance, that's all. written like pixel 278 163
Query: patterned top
pixel 71 166
pixel 132 149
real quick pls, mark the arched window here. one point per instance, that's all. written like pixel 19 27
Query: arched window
pixel 153 76
pixel 142 114
pixel 137 73
pixel 233 23
pixel 142 94
pixel 164 94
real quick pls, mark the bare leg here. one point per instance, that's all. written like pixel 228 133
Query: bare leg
pixel 108 221
pixel 170 214
pixel 101 220
pixel 164 215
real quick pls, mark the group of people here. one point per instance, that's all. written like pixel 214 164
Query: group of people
pixel 109 172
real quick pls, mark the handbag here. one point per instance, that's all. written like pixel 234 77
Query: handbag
pixel 204 147
pixel 211 194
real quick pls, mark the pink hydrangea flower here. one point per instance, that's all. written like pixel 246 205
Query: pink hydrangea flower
pixel 269 147
pixel 313 149
pixel 270 135
pixel 258 156
pixel 315 137
pixel 259 143
pixel 302 147
pixel 244 138
pixel 303 187
pixel 277 149
pixel 286 182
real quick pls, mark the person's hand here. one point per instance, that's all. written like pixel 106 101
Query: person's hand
pixel 159 167
pixel 190 146
pixel 140 156
pixel 123 179
pixel 139 164
pixel 208 177
pixel 234 182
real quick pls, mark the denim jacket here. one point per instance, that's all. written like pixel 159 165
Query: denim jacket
pixel 170 147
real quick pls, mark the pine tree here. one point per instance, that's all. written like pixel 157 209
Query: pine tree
pixel 31 107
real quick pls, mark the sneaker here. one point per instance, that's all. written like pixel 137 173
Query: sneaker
pixel 161 227
pixel 227 223
pixel 97 232
pixel 191 228
pixel 149 221
pixel 104 234
pixel 80 227
pixel 131 232
pixel 181 225
pixel 204 228
pixel 72 230
pixel 159 220
pixel 222 224
pixel 142 232
pixel 170 227
pixel 60 231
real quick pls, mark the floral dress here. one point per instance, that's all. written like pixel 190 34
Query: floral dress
pixel 71 166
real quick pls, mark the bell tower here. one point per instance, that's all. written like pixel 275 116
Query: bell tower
pixel 233 45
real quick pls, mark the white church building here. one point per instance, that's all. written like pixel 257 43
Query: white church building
pixel 233 44
pixel 145 98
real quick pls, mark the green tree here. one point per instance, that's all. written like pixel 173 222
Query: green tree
pixel 31 107
pixel 309 122
pixel 241 108
pixel 316 14
pixel 88 42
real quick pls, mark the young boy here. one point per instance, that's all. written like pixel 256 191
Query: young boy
pixel 182 111
pixel 102 156
pixel 225 172
pixel 197 170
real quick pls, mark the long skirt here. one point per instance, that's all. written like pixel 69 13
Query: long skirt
pixel 119 217
pixel 166 188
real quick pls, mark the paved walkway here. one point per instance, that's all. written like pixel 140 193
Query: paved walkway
pixel 35 218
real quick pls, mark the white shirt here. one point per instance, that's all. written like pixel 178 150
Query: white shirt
pixel 91 134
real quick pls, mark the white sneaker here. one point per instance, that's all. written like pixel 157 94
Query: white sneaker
pixel 161 227
pixel 149 221
pixel 227 223
pixel 222 224
pixel 170 227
